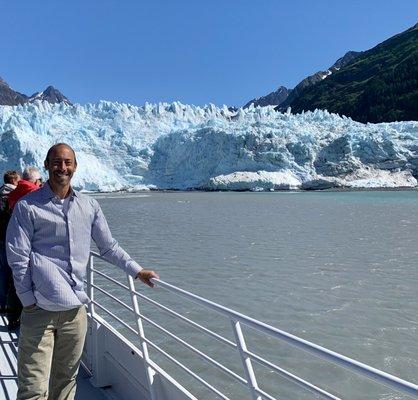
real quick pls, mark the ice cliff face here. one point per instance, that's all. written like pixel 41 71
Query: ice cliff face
pixel 176 146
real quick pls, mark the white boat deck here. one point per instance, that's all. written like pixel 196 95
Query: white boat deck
pixel 8 370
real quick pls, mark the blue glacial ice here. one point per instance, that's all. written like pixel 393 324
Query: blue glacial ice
pixel 177 146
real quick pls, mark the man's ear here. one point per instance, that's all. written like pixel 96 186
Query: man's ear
pixel 46 165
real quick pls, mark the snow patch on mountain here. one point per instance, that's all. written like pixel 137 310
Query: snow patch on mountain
pixel 326 74
pixel 177 146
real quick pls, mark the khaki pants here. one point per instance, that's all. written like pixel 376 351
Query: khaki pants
pixel 49 353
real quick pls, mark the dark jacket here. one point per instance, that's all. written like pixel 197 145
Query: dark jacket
pixel 5 212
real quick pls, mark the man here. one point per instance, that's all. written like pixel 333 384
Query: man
pixel 11 178
pixel 48 241
pixel 31 181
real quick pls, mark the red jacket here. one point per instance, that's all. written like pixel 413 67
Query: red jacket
pixel 23 187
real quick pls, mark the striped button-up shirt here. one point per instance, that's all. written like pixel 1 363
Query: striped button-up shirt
pixel 48 247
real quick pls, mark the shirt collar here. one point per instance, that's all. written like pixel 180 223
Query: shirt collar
pixel 48 193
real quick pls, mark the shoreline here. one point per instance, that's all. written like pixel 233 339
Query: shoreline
pixel 332 190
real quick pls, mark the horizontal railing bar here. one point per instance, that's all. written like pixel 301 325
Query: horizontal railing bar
pixel 115 317
pixel 208 331
pixel 189 321
pixel 202 301
pixel 349 363
pixel 291 377
pixel 195 350
pixel 110 279
pixel 113 297
pixel 184 368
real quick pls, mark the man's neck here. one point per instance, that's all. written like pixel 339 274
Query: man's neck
pixel 61 191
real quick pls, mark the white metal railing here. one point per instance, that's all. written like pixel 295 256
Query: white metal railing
pixel 237 320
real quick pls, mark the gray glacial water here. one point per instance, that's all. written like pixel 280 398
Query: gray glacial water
pixel 336 268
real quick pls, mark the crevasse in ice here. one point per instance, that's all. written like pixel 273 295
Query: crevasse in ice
pixel 177 146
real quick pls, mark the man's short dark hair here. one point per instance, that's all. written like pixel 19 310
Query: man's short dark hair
pixel 52 148
pixel 10 176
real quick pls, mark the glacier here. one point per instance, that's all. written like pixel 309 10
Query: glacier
pixel 182 147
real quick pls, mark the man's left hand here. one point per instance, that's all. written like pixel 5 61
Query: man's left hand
pixel 145 275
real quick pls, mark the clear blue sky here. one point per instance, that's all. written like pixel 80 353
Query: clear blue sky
pixel 194 51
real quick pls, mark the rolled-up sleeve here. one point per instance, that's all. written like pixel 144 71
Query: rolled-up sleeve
pixel 108 246
pixel 18 247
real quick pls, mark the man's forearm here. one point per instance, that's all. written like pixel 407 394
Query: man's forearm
pixel 18 249
pixel 23 283
pixel 119 257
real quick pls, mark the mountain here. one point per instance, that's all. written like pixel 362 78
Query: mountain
pixel 283 96
pixel 9 97
pixel 51 95
pixel 318 77
pixel 177 146
pixel 380 84
pixel 272 99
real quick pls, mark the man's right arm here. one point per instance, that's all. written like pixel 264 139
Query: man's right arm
pixel 19 246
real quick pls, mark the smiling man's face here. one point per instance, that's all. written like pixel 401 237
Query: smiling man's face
pixel 61 165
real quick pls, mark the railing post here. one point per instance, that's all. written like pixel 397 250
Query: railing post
pixel 149 371
pixel 90 288
pixel 246 361
pixel 90 339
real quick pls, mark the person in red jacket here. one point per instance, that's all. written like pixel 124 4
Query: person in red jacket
pixel 31 181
